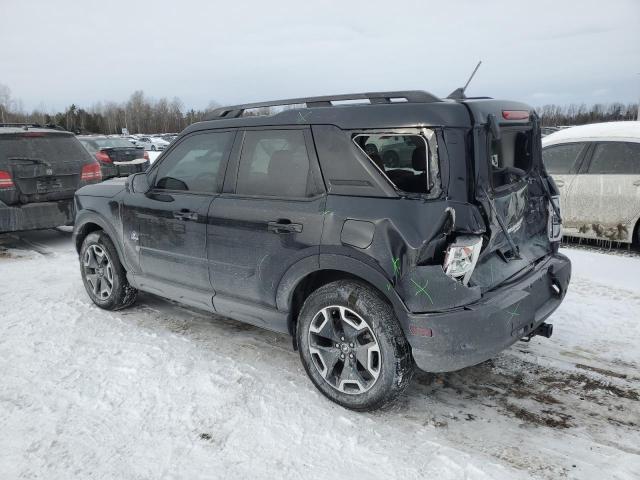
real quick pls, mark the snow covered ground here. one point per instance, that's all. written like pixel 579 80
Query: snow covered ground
pixel 164 391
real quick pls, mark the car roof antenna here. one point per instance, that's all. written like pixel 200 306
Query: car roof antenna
pixel 458 93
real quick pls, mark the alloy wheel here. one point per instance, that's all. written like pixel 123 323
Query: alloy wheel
pixel 344 350
pixel 98 271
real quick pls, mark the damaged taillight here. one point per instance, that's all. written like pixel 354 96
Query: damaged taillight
pixel 554 224
pixel 462 256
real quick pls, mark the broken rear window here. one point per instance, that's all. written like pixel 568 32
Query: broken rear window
pixel 404 159
pixel 510 156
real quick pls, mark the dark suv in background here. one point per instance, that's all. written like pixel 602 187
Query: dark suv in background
pixel 40 170
pixel 438 254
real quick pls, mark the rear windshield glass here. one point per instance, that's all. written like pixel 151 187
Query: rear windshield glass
pixel 402 158
pixel 95 144
pixel 49 147
pixel 510 157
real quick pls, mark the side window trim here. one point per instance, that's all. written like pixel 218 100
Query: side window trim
pixel 167 153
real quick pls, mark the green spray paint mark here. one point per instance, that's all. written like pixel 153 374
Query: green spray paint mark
pixel 421 289
pixel 388 286
pixel 302 118
pixel 396 266
pixel 326 212
pixel 514 313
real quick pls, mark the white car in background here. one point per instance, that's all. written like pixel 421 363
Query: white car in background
pixel 152 143
pixel 597 170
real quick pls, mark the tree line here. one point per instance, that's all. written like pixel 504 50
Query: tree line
pixel 141 114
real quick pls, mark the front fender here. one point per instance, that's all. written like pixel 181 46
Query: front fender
pixel 85 218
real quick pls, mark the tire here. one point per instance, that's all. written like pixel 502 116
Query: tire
pixel 372 336
pixel 103 275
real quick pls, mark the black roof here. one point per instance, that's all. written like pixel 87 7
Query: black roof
pixel 397 109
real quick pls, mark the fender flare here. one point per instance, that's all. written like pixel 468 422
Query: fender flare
pixel 342 263
pixel 90 216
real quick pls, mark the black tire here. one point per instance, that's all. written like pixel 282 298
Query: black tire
pixel 396 365
pixel 121 294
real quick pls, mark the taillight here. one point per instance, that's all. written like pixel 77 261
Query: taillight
pixel 462 256
pixel 146 155
pixel 103 157
pixel 515 114
pixel 91 172
pixel 554 224
pixel 5 180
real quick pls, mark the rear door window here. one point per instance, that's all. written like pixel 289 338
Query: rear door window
pixel 195 163
pixel 274 163
pixel 562 159
pixel 402 158
pixel 616 158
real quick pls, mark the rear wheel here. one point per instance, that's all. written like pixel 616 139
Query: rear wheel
pixel 103 275
pixel 352 346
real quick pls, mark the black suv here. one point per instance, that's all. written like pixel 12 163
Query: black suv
pixel 40 170
pixel 439 255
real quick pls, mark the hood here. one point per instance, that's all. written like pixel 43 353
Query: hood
pixel 109 188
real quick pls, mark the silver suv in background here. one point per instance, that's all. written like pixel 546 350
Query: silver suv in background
pixel 597 170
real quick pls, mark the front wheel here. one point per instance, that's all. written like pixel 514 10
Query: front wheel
pixel 352 346
pixel 103 275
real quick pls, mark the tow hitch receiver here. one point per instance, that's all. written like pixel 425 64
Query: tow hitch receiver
pixel 544 329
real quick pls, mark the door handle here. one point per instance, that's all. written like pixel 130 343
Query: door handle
pixel 560 183
pixel 284 226
pixel 185 215
pixel 636 183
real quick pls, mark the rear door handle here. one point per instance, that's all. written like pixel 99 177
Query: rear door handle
pixel 185 215
pixel 560 183
pixel 284 226
pixel 636 183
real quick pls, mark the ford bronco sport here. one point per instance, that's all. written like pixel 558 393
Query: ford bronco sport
pixel 438 255
pixel 40 170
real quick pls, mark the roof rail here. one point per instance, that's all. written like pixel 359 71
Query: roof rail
pixel 410 96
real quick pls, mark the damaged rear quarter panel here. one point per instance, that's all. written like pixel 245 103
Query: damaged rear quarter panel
pixel 407 246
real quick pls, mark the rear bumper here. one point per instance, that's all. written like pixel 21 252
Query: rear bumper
pixel 472 334
pixel 122 169
pixel 34 216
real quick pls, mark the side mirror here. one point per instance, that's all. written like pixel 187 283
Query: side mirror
pixel 494 126
pixel 139 183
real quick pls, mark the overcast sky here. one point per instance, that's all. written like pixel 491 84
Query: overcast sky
pixel 53 53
